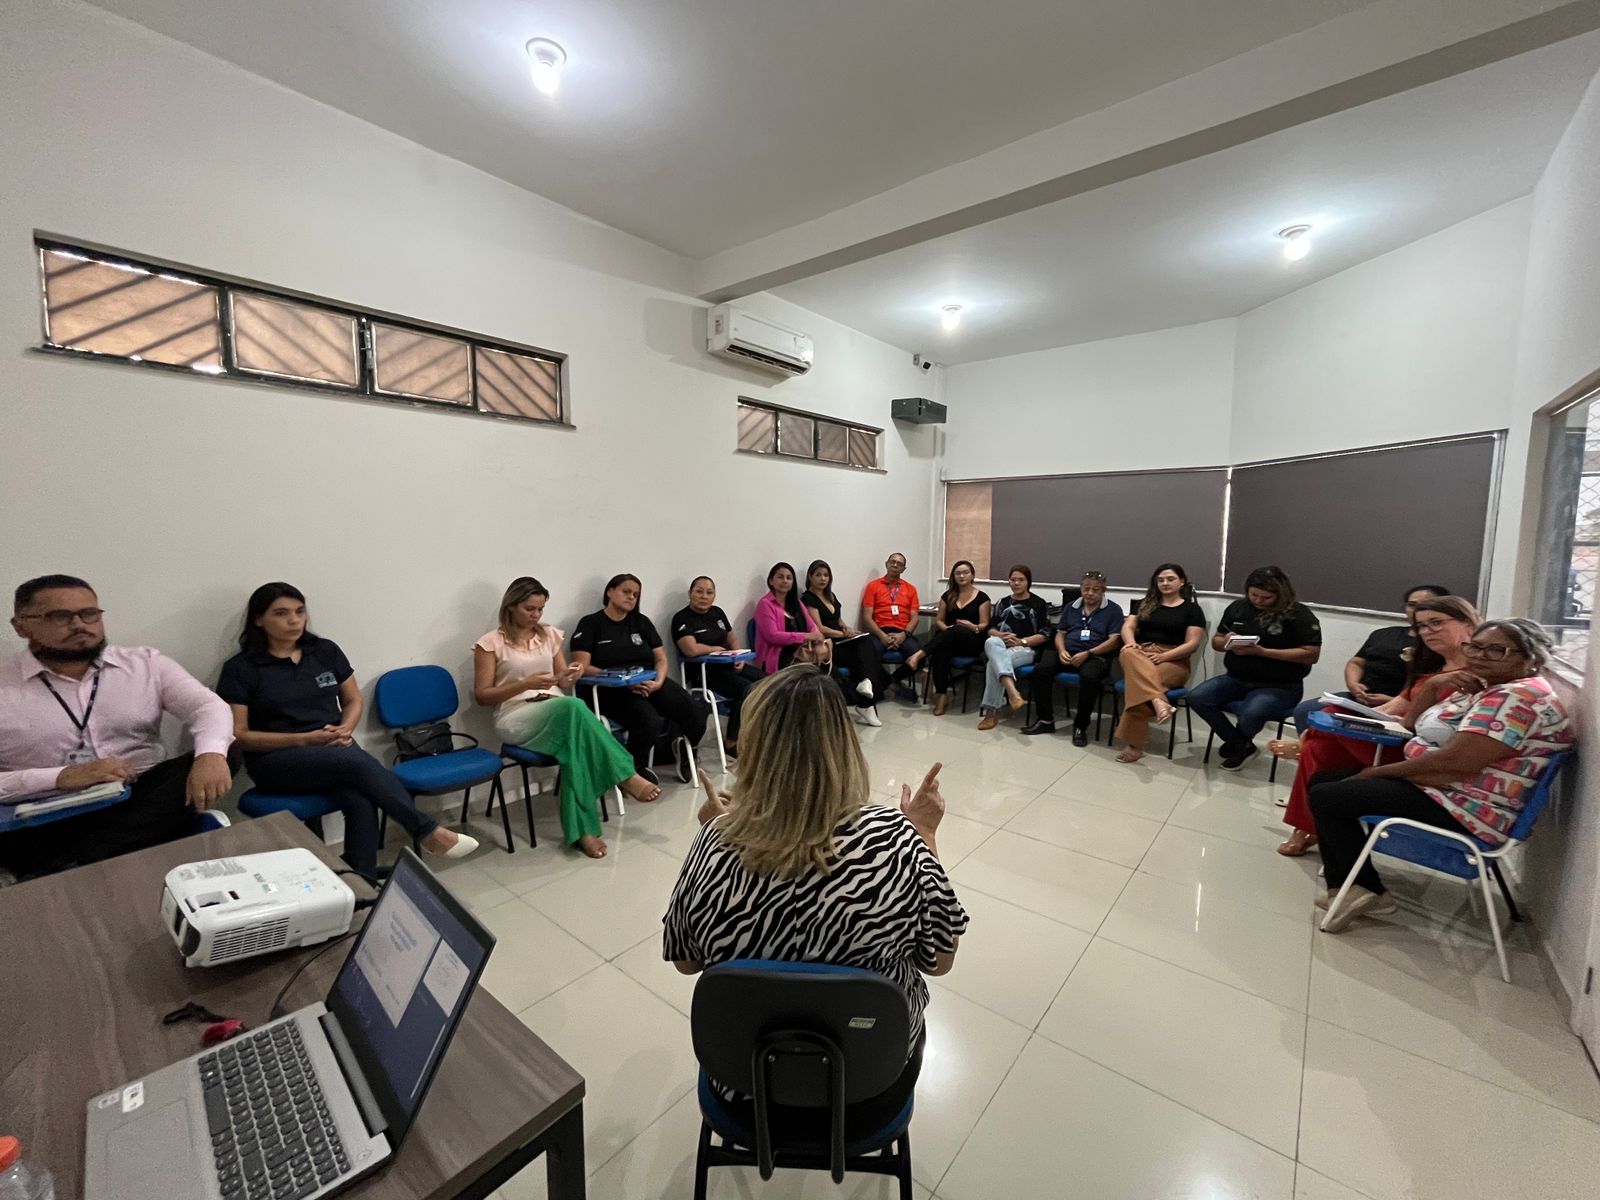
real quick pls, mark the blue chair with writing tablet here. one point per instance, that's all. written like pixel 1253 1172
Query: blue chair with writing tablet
pixel 417 703
pixel 1458 854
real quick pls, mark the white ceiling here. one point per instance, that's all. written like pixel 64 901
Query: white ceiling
pixel 1197 241
pixel 702 124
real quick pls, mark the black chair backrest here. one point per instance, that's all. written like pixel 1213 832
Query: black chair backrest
pixel 790 1021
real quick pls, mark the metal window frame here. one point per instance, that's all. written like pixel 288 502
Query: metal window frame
pixel 231 319
pixel 369 338
pixel 816 419
pixel 230 370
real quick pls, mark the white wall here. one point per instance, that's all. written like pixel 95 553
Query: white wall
pixel 1560 345
pixel 177 495
pixel 1416 343
pixel 1050 412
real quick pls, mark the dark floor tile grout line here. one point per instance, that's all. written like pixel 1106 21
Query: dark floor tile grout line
pixel 1012 1066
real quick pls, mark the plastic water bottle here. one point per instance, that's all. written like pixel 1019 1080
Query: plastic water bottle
pixel 19 1181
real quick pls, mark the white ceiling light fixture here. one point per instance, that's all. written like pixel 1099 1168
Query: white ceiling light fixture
pixel 547 58
pixel 1296 242
pixel 951 318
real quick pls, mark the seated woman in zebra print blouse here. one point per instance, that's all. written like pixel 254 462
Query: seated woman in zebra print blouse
pixel 796 864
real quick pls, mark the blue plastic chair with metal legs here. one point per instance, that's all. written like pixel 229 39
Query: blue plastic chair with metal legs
pixel 820 1052
pixel 412 698
pixel 1458 854
pixel 522 757
pixel 306 807
pixel 1177 697
pixel 1233 709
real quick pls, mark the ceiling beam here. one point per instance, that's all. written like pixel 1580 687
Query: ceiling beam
pixel 1376 52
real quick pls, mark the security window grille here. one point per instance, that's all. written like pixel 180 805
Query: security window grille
pixel 420 366
pixel 294 341
pixel 127 311
pixel 833 442
pixel 797 435
pixel 518 385
pixel 103 304
pixel 767 429
pixel 864 448
pixel 758 429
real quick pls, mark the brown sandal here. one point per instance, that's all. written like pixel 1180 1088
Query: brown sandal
pixel 1297 844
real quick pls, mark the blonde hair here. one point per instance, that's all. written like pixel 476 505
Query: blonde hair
pixel 801 775
pixel 521 588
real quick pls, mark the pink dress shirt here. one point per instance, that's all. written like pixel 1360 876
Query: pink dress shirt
pixel 772 635
pixel 138 684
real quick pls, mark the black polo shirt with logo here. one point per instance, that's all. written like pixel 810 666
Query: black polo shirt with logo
pixel 709 628
pixel 617 645
pixel 284 696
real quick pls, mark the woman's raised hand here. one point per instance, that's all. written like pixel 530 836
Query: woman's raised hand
pixel 925 807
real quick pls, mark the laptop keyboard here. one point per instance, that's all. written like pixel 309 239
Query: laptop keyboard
pixel 272 1135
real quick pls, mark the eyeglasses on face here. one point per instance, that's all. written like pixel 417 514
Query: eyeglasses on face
pixel 62 617
pixel 1493 653
pixel 1434 626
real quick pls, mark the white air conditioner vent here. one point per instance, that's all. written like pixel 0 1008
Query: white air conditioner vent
pixel 757 341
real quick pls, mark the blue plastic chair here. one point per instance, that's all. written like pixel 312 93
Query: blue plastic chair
pixel 1233 710
pixel 820 1050
pixel 1458 854
pixel 1178 698
pixel 523 758
pixel 305 807
pixel 962 665
pixel 410 697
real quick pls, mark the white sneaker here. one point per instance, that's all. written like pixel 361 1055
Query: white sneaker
pixel 864 688
pixel 869 716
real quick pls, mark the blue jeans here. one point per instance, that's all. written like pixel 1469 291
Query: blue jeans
pixel 1259 703
pixel 1001 661
pixel 358 783
pixel 1305 708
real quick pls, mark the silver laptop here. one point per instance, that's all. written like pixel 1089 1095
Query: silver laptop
pixel 306 1104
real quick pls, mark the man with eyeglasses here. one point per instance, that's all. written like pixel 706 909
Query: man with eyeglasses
pixel 889 613
pixel 1378 671
pixel 76 712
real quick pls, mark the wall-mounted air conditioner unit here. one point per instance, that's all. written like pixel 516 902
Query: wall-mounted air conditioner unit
pixel 757 341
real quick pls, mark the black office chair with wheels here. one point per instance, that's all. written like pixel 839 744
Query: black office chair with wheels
pixel 820 1052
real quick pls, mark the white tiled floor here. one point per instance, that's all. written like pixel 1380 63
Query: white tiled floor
pixel 1142 1007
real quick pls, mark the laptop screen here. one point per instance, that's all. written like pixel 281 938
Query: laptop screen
pixel 404 987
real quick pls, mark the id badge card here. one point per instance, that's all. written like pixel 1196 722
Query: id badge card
pixel 1084 635
pixel 83 754
pixel 894 610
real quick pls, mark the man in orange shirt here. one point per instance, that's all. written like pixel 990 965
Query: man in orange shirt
pixel 889 613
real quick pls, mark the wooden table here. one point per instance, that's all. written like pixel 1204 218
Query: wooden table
pixel 87 971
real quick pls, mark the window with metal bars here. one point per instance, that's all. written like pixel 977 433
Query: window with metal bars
pixel 109 306
pixel 768 429
pixel 1569 530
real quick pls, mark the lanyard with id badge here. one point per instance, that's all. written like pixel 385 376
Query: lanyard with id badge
pixel 83 752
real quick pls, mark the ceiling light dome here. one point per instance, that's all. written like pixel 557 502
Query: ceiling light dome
pixel 951 317
pixel 1296 242
pixel 547 58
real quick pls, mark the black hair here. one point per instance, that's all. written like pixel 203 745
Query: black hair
pixel 605 595
pixel 1438 589
pixel 791 602
pixel 27 591
pixel 1025 571
pixel 827 592
pixel 251 636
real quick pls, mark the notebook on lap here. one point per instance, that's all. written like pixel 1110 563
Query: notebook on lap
pixel 303 1106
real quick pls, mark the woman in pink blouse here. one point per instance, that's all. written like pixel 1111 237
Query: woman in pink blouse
pixel 786 633
pixel 519 669
pixel 1470 768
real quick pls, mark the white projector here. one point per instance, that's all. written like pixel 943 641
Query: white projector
pixel 225 909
